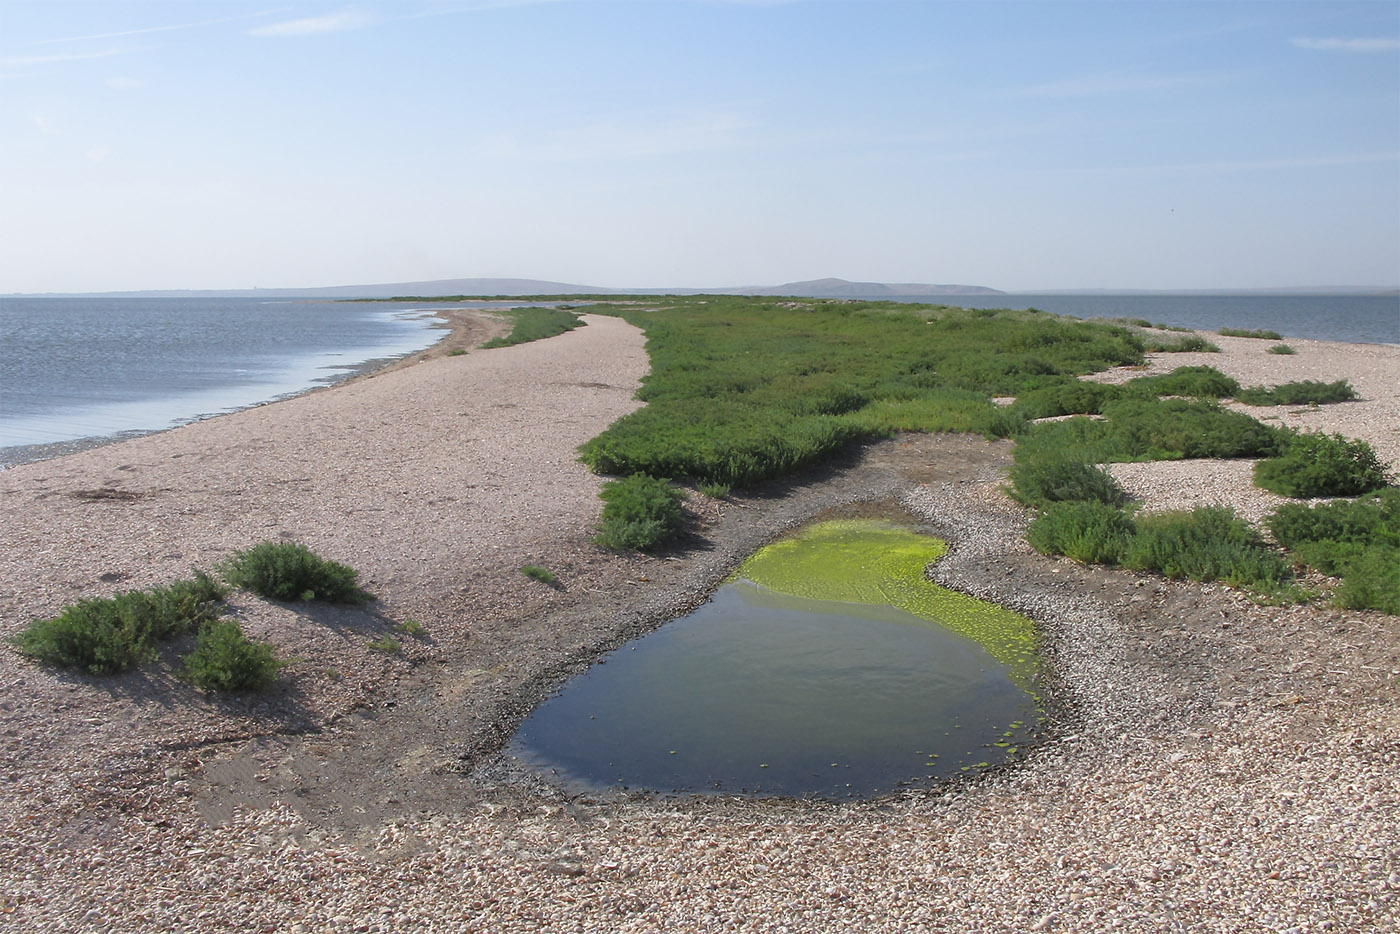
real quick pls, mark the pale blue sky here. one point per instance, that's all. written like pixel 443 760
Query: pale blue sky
pixel 1051 145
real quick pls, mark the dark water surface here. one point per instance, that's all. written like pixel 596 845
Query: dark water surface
pixel 81 368
pixel 762 693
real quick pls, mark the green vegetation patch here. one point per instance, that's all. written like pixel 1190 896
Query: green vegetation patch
pixel 532 323
pixel 1189 343
pixel 1304 392
pixel 640 513
pixel 875 562
pixel 1356 540
pixel 1317 464
pixel 537 573
pixel 291 571
pixel 107 635
pixel 1282 349
pixel 1257 333
pixel 1197 382
pixel 224 659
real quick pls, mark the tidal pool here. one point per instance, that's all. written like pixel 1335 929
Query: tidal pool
pixel 827 666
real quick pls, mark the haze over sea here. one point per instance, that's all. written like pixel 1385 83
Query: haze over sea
pixel 77 370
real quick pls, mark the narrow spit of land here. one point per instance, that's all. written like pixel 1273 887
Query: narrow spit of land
pixel 1216 765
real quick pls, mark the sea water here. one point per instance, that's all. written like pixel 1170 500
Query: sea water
pixel 78 369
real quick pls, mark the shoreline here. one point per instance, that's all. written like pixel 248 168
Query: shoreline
pixel 1212 762
pixel 464 325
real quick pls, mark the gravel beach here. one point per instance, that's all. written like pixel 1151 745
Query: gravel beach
pixel 1212 765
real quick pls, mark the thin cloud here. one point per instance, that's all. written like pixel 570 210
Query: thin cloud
pixel 141 32
pixel 314 25
pixel 1112 82
pixel 24 61
pixel 1349 45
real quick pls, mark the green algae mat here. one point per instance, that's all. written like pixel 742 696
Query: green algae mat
pixel 827 666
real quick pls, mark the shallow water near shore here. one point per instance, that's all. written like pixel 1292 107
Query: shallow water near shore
pixel 869 681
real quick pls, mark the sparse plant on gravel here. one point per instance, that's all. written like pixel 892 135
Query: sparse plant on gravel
pixel 410 627
pixel 1282 349
pixel 224 659
pixel 291 571
pixel 1305 392
pixel 1258 333
pixel 105 635
pixel 537 573
pixel 640 513
pixel 386 644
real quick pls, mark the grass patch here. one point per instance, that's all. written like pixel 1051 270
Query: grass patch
pixel 290 571
pixel 640 513
pixel 409 627
pixel 1191 343
pixel 1258 333
pixel 1317 464
pixel 386 644
pixel 537 573
pixel 1356 540
pixel 1196 382
pixel 224 659
pixel 532 324
pixel 715 490
pixel 1282 349
pixel 1063 479
pixel 1067 397
pixel 107 635
pixel 1305 392
pixel 1087 532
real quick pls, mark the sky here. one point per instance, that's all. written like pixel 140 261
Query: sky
pixel 215 144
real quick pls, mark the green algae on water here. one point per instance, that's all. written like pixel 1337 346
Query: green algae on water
pixel 878 562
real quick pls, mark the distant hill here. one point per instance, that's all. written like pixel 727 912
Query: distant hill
pixel 814 288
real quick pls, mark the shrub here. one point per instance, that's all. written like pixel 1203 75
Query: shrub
pixel 291 571
pixel 1063 479
pixel 1306 392
pixel 1165 429
pixel 1317 464
pixel 224 659
pixel 1071 397
pixel 1199 382
pixel 1259 333
pixel 1372 581
pixel 1088 532
pixel 1282 349
pixel 715 490
pixel 537 573
pixel 640 512
pixel 1208 543
pixel 1191 343
pixel 1373 519
pixel 386 644
pixel 110 634
pixel 532 324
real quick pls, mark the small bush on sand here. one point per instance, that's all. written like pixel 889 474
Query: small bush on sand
pixel 640 513
pixel 1208 543
pixel 537 573
pixel 1317 464
pixel 1258 333
pixel 1357 540
pixel 1043 481
pixel 1306 392
pixel 1371 581
pixel 224 659
pixel 291 571
pixel 1071 397
pixel 110 634
pixel 1088 532
pixel 1191 343
pixel 1197 382
pixel 1282 349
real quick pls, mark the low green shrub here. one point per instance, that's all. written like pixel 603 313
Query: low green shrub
pixel 106 635
pixel 715 490
pixel 224 659
pixel 532 324
pixel 1318 464
pixel 1371 581
pixel 1088 532
pixel 1063 479
pixel 537 573
pixel 1197 382
pixel 1069 397
pixel 640 513
pixel 1259 333
pixel 386 644
pixel 291 571
pixel 1209 543
pixel 1305 392
pixel 1190 343
pixel 1367 520
pixel 1282 349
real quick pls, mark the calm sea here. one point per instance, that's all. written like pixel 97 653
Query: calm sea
pixel 1351 319
pixel 77 369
